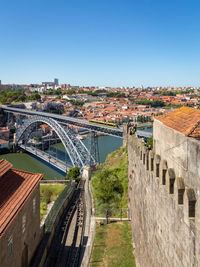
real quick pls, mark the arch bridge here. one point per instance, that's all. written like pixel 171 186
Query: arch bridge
pixel 77 151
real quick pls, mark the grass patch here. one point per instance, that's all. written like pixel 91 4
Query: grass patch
pixel 113 246
pixel 48 193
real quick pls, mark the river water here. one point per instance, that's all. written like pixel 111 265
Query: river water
pixel 27 162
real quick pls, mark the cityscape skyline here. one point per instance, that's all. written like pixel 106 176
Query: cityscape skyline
pixel 52 81
pixel 101 43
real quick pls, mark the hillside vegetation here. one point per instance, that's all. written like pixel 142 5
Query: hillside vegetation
pixel 48 193
pixel 110 185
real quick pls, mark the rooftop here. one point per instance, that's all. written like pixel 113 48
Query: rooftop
pixel 15 188
pixel 184 120
pixel 3 141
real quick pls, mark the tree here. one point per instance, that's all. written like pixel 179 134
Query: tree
pixel 74 174
pixel 35 96
pixel 150 142
pixel 107 186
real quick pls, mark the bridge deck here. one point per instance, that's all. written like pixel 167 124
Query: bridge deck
pixel 46 157
pixel 117 132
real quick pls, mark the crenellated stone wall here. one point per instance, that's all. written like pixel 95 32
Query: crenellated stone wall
pixel 164 206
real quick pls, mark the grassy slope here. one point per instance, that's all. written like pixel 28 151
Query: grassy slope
pixel 118 161
pixel 113 246
pixel 48 193
pixel 117 165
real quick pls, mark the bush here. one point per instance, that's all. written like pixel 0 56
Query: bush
pixel 150 142
pixel 74 174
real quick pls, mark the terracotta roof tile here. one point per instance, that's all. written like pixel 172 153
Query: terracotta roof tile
pixel 3 141
pixel 15 188
pixel 184 120
pixel 4 166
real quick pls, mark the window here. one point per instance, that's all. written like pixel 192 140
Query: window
pixel 23 223
pixel 10 247
pixel 34 205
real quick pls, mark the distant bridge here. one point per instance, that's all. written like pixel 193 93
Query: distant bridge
pixel 65 120
pixel 78 153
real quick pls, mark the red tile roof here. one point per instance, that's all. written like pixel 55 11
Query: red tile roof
pixel 4 166
pixel 15 188
pixel 184 120
pixel 3 141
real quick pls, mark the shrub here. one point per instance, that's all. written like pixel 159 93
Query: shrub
pixel 74 174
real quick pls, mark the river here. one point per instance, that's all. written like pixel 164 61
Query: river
pixel 24 161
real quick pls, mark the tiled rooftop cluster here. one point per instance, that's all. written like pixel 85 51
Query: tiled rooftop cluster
pixel 99 105
pixel 114 109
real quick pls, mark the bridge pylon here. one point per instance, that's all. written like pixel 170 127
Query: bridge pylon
pixel 94 148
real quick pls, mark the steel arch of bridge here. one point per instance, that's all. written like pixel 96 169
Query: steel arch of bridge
pixel 78 153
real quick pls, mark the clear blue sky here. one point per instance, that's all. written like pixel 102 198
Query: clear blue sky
pixel 100 42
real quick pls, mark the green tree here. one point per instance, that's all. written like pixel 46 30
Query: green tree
pixel 107 186
pixel 155 103
pixel 70 92
pixel 150 142
pixel 74 174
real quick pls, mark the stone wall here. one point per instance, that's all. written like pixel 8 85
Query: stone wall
pixel 182 153
pixel 164 205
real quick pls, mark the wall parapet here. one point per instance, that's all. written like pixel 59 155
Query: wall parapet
pixel 153 175
pixel 160 168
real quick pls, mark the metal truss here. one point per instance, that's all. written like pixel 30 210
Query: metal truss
pixel 94 148
pixel 78 153
pixel 65 120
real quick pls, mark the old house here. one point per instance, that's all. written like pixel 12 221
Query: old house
pixel 19 215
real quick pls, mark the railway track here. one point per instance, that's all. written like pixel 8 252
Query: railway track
pixel 66 245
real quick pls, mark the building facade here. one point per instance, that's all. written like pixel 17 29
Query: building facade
pixel 20 215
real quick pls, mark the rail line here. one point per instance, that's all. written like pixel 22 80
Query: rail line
pixel 67 242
